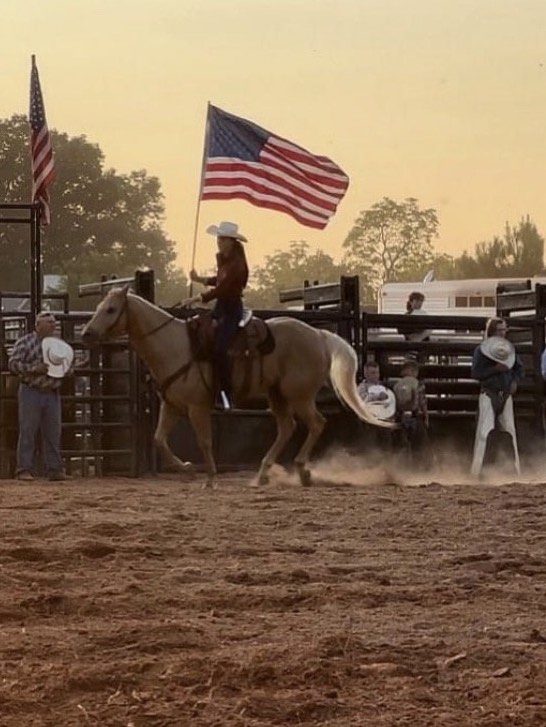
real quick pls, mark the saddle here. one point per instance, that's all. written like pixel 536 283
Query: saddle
pixel 253 339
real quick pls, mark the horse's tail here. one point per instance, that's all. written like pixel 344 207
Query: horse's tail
pixel 343 366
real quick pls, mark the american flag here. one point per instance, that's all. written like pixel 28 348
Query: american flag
pixel 244 161
pixel 43 163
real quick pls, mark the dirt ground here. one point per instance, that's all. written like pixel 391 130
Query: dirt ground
pixel 153 602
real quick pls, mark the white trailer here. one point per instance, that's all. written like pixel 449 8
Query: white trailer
pixel 447 297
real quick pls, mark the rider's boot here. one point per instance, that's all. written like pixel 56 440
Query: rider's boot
pixel 223 401
pixel 223 376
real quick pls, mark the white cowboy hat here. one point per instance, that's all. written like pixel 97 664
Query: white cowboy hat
pixel 226 229
pixel 383 408
pixel 499 349
pixel 58 355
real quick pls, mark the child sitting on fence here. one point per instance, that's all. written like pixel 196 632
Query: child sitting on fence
pixel 372 390
pixel 412 412
pixel 381 401
pixel 371 378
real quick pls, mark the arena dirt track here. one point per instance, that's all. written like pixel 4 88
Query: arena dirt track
pixel 157 603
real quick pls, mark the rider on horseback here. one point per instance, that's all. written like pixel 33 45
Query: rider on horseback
pixel 227 290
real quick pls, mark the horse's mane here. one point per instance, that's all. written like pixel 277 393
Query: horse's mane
pixel 148 303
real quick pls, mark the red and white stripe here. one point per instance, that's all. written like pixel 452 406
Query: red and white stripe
pixel 286 178
pixel 43 169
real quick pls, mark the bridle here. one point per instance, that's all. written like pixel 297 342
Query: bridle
pixel 114 323
pixel 125 309
pixel 170 319
pixel 181 371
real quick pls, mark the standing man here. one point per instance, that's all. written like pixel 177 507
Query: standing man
pixel 498 369
pixel 39 402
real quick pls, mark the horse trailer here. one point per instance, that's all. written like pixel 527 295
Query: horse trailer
pixel 448 297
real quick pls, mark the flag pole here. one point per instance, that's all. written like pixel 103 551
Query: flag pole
pixel 203 165
pixel 35 240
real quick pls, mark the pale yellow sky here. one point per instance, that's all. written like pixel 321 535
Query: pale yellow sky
pixel 443 100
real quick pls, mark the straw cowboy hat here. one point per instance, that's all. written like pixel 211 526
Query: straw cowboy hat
pixel 500 350
pixel 383 408
pixel 226 229
pixel 58 355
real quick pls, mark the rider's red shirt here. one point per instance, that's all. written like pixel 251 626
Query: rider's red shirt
pixel 230 280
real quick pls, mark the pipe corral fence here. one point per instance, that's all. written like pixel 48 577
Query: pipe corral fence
pixel 110 407
pixel 107 405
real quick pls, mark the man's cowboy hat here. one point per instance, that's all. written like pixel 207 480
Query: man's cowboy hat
pixel 226 229
pixel 58 356
pixel 499 349
pixel 383 408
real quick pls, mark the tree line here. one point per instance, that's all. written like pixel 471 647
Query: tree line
pixel 105 222
pixel 102 222
pixel 394 242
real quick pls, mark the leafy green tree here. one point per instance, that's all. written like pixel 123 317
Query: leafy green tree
pixel 443 265
pixel 518 253
pixel 286 269
pixel 102 222
pixel 389 241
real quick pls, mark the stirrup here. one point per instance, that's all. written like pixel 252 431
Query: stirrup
pixel 246 318
pixel 222 401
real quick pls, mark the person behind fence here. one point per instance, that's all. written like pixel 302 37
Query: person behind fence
pixel 414 307
pixel 227 290
pixel 498 369
pixel 40 361
pixel 412 410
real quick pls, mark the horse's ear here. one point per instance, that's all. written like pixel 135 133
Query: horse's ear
pixel 125 289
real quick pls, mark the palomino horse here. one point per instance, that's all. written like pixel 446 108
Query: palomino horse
pixel 290 376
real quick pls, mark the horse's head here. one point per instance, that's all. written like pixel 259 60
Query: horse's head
pixel 110 318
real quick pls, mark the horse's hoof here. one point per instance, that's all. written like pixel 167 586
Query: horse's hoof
pixel 210 484
pixel 305 477
pixel 185 466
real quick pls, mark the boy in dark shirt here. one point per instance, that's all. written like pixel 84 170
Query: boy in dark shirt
pixel 412 411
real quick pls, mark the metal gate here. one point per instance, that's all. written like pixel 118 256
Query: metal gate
pixel 106 405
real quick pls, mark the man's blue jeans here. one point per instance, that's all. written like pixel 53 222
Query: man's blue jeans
pixel 39 411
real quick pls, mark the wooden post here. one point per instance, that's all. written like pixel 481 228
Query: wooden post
pixel 364 343
pixel 145 284
pixel 349 301
pixel 538 348
pixel 306 306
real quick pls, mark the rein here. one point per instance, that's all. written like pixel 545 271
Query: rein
pixel 156 329
pixel 181 371
pixel 125 309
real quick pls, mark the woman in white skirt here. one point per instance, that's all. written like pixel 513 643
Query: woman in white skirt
pixel 498 370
